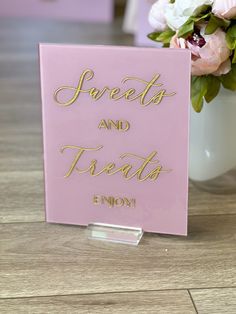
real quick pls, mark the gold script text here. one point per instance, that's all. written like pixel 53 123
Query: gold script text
pixel 152 92
pixel 148 167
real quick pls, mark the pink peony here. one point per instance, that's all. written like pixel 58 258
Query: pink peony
pixel 223 69
pixel 157 17
pixel 210 54
pixel 224 8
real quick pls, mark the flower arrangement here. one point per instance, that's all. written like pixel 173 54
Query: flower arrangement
pixel 208 29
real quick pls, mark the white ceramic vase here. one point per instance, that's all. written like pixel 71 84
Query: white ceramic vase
pixel 213 144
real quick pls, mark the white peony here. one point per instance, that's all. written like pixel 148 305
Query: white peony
pixel 178 13
pixel 224 9
pixel 157 17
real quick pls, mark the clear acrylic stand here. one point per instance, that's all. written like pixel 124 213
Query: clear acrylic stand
pixel 114 233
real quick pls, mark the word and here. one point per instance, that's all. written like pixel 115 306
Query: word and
pixel 119 125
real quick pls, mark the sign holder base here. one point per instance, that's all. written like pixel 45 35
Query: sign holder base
pixel 114 233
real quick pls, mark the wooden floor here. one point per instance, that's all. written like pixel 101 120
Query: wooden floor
pixel 55 269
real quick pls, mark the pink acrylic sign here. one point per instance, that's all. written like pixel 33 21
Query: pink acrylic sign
pixel 115 124
pixel 77 10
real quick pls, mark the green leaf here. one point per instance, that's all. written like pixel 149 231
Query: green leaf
pixel 214 23
pixel 234 57
pixel 200 17
pixel 211 27
pixel 186 29
pixel 231 37
pixel 213 87
pixel 166 45
pixel 154 36
pixel 198 91
pixel 164 37
pixel 229 80
pixel 202 9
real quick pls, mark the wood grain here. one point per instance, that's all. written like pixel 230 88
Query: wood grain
pixel 21 151
pixel 41 260
pixel 22 36
pixel 175 302
pixel 22 197
pixel 215 301
pixel 204 203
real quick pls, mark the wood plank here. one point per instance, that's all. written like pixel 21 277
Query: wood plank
pixel 23 35
pixel 18 68
pixel 39 259
pixel 215 301
pixel 22 197
pixel 21 151
pixel 23 117
pixel 204 203
pixel 175 302
pixel 23 93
